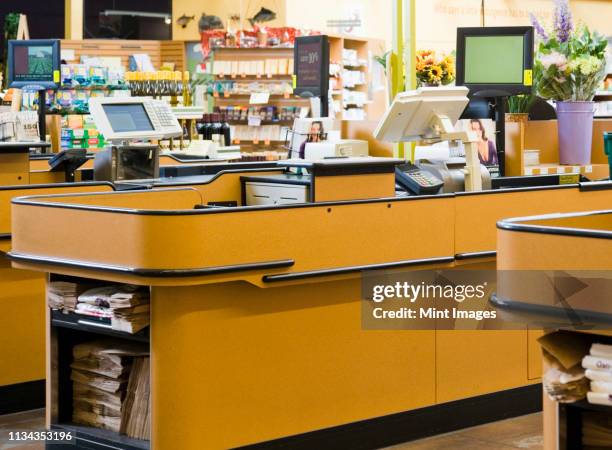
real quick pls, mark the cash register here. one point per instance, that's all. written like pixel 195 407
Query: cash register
pixel 132 125
pixel 428 115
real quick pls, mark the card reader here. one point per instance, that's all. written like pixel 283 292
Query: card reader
pixel 417 181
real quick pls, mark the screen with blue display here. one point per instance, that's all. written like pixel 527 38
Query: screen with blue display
pixel 126 117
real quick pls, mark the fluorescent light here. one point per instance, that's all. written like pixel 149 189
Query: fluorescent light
pixel 116 12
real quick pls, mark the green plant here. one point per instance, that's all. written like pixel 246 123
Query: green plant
pixel 382 60
pixel 11 23
pixel 570 62
pixel 520 104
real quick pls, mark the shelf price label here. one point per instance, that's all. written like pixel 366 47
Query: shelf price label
pixel 259 98
pixel 254 121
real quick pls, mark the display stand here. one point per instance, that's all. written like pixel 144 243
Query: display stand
pixel 311 65
pixel 429 114
pixel 445 129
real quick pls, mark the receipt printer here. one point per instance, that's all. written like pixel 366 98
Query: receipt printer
pixel 344 147
pixel 452 173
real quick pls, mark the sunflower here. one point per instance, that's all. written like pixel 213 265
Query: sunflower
pixel 435 72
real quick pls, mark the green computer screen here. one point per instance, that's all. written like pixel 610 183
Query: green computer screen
pixel 494 59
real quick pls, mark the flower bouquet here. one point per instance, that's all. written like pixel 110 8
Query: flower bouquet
pixel 432 70
pixel 569 66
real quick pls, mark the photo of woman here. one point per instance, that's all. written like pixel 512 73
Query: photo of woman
pixel 315 134
pixel 487 153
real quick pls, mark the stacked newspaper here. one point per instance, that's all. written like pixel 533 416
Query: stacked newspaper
pixel 135 420
pixel 100 375
pixel 598 365
pixel 63 295
pixel 125 306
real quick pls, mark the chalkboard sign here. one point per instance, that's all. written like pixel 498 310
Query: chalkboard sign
pixel 311 66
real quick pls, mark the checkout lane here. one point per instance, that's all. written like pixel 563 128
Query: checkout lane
pixel 323 289
pixel 290 297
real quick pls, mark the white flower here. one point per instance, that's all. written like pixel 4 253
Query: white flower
pixel 554 58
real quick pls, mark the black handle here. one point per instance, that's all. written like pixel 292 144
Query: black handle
pixel 596 186
pixel 349 269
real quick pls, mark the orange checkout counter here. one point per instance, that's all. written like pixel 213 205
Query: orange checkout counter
pixel 22 292
pixel 255 332
pixel 577 245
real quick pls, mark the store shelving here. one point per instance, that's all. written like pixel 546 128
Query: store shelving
pixel 74 321
pixel 98 439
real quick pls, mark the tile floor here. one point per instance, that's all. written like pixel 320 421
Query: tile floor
pixel 519 433
pixel 523 432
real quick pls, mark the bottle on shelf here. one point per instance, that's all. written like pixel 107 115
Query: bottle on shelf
pixel 204 127
pixel 186 89
pixel 225 131
pixel 175 87
pixel 216 131
pixel 149 89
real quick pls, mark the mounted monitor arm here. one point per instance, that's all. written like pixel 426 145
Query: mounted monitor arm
pixel 429 114
pixel 444 128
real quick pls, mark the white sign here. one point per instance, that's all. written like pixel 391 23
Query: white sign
pixel 259 98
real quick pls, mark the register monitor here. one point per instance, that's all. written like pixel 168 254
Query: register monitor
pixel 495 61
pixel 430 114
pixel 412 115
pixel 34 64
pixel 133 118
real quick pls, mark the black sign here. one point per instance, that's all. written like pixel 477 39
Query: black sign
pixel 311 66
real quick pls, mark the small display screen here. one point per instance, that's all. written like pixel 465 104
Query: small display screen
pixel 309 64
pixel 127 117
pixel 32 63
pixel 494 59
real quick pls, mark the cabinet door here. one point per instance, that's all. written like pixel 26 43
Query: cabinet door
pixel 534 353
pixel 233 364
pixel 475 362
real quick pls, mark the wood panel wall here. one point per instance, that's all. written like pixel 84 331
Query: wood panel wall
pixel 159 51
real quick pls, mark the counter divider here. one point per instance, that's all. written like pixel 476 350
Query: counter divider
pixel 344 270
pixel 153 273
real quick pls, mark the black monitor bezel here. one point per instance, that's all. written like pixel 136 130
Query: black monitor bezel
pixel 322 89
pixel 53 43
pixel 495 89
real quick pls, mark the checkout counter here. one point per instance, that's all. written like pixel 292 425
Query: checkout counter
pixel 577 245
pixel 256 299
pixel 22 292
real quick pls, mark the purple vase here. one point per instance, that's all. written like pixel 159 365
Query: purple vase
pixel 575 128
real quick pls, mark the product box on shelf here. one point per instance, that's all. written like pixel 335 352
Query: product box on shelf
pixel 79 131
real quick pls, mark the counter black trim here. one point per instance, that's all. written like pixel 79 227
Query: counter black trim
pixel 153 273
pixel 344 270
pixel 579 317
pixel 14 187
pixel 5 236
pixel 241 209
pixel 22 396
pixel 415 424
pixel 475 255
pixel 345 166
pixel 558 231
pixel 596 186
pixel 520 189
pixel 211 177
